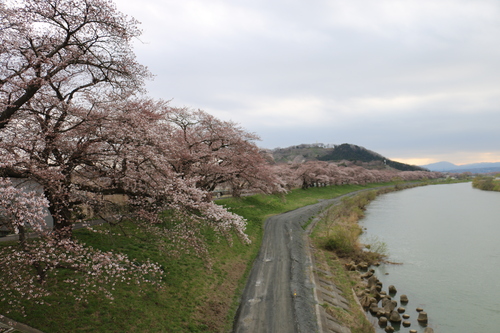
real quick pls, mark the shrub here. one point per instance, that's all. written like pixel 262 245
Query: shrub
pixel 342 239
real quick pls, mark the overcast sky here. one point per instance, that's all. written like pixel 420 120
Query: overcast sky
pixel 416 81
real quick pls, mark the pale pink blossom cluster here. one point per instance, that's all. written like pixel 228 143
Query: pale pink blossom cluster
pixel 320 173
pixel 21 210
pixel 28 273
pixel 216 152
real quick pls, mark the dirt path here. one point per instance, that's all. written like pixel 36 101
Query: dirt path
pixel 279 293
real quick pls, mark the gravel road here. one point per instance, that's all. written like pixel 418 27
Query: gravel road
pixel 279 294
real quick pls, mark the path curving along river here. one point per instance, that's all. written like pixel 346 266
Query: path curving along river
pixel 279 296
pixel 447 239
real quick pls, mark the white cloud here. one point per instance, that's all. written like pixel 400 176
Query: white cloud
pixel 292 112
pixel 415 20
pixel 333 71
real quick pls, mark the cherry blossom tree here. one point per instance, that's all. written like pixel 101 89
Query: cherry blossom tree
pixel 58 60
pixel 72 121
pixel 21 210
pixel 61 49
pixel 114 148
pixel 314 173
pixel 28 268
pixel 286 173
pixel 216 152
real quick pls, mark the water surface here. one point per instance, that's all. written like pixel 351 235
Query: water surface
pixel 447 239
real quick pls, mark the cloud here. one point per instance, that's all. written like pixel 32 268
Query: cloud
pixel 408 77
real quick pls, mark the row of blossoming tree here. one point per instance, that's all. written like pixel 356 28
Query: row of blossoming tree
pixel 75 120
pixel 320 173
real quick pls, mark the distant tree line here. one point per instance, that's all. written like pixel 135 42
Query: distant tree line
pixel 321 173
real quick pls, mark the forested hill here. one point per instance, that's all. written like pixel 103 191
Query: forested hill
pixel 343 152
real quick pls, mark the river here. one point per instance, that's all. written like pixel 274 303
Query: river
pixel 447 239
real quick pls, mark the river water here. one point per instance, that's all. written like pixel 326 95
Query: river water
pixel 447 239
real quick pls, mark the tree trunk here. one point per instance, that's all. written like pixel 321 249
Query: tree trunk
pixel 22 235
pixel 60 210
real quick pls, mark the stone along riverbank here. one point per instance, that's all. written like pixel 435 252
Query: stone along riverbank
pixel 445 236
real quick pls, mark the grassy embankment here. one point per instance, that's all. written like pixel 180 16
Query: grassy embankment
pixel 194 297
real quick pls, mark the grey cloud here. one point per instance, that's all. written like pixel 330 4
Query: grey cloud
pixel 419 77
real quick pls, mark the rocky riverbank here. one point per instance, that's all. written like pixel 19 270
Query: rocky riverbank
pixel 387 310
pixel 383 305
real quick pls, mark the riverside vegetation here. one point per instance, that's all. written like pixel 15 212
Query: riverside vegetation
pixel 487 183
pixel 198 293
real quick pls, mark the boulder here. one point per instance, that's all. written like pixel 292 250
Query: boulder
pixel 406 323
pixel 381 313
pixel 382 322
pixel 351 266
pixel 363 266
pixel 390 305
pixel 403 299
pixel 406 316
pixel 372 281
pixel 365 301
pixel 385 301
pixel 422 317
pixel 428 330
pixel 367 274
pixel 376 295
pixel 389 329
pixel 395 317
pixel 374 309
pixel 361 293
pixel 401 309
pixel 392 290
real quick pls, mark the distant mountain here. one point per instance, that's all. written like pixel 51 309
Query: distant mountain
pixel 344 152
pixel 474 167
pixel 440 166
